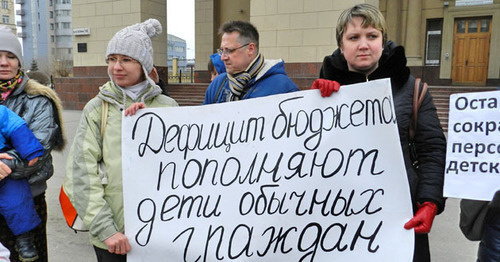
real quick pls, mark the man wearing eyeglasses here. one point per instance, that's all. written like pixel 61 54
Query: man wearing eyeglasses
pixel 248 74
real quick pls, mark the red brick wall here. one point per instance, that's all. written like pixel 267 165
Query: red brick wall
pixel 75 92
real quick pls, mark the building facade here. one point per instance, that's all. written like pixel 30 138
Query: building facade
pixel 8 14
pixel 176 51
pixel 101 20
pixel 446 42
pixel 46 33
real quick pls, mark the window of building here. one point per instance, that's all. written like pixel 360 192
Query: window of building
pixel 5 19
pixel 433 41
pixel 51 26
pixel 65 25
pixel 5 4
pixel 64 38
pixel 52 39
pixel 51 14
pixel 63 13
pixel 485 25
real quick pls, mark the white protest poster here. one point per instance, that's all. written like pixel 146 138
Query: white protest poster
pixel 473 148
pixel 291 177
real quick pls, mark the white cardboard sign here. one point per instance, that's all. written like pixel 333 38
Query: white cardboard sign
pixel 291 177
pixel 473 148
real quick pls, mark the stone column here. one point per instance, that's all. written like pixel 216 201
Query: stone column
pixel 414 33
pixel 393 20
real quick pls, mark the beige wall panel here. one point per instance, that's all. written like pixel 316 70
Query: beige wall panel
pixel 93 59
pixel 283 21
pixel 315 37
pixel 328 18
pixel 137 17
pixel 325 51
pixel 135 5
pixel 289 38
pixel 317 5
pixel 290 6
pixel 258 7
pixel 276 53
pixel 205 4
pixel 267 23
pixel 203 15
pixel 432 13
pixel 84 10
pixel 102 34
pixel 121 7
pixel 95 22
pixel 204 28
pixel 104 8
pixel 343 4
pixel 115 21
pixel 233 10
pixel 299 54
pixel 433 4
pixel 303 21
pixel 267 38
pixel 153 9
pixel 263 7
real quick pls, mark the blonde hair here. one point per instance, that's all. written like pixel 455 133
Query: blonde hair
pixel 371 17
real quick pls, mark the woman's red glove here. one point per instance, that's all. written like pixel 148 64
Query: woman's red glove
pixel 326 87
pixel 422 221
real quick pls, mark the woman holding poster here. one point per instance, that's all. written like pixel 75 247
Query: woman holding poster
pixel 93 179
pixel 364 54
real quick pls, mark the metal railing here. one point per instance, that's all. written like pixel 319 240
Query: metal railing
pixel 182 77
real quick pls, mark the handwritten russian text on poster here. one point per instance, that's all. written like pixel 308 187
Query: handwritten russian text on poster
pixel 293 177
pixel 473 153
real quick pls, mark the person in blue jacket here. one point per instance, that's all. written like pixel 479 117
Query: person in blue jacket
pixel 16 201
pixel 248 74
pixel 215 66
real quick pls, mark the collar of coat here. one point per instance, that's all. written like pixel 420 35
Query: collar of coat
pixel 392 64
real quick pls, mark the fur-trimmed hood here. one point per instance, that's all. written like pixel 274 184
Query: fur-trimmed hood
pixel 33 89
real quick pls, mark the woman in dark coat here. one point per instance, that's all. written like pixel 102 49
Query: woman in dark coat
pixel 365 55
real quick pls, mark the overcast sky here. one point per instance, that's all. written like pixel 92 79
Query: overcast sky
pixel 180 15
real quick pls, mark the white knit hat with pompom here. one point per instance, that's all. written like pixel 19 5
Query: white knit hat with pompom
pixel 135 41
